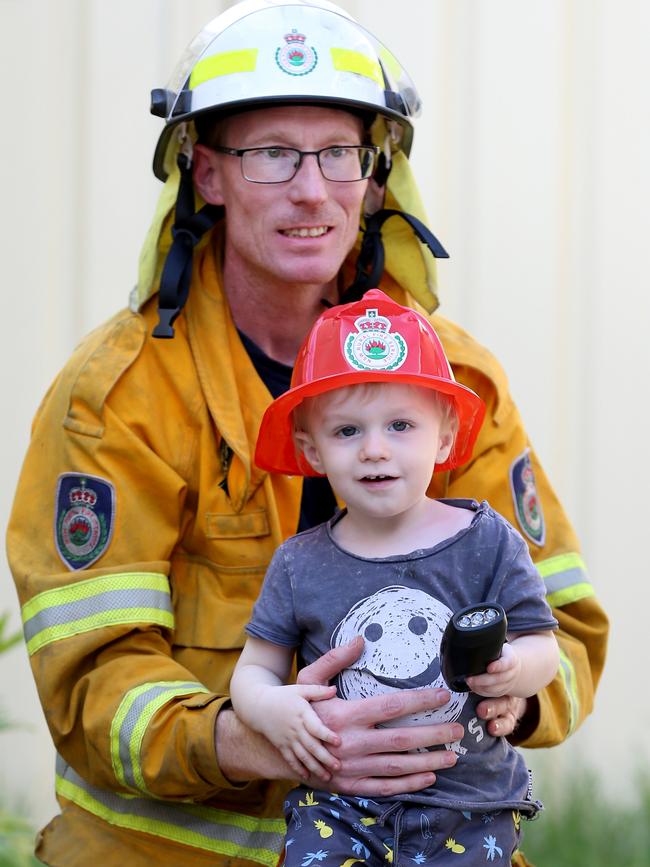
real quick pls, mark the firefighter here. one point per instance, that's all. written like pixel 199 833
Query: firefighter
pixel 142 528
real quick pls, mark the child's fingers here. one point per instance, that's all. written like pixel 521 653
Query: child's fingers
pixel 501 665
pixel 315 692
pixel 318 729
pixel 310 762
pixel 489 685
pixel 316 748
pixel 297 767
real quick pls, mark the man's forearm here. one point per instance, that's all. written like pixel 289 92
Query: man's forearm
pixel 245 755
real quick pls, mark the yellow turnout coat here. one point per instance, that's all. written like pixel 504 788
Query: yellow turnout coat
pixel 139 537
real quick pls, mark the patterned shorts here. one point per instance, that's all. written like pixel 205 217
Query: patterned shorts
pixel 326 829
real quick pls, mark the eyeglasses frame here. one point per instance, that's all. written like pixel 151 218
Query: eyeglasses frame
pixel 239 152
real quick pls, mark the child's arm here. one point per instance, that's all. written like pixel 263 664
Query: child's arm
pixel 528 662
pixel 281 713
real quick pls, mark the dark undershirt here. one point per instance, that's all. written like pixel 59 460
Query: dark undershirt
pixel 318 503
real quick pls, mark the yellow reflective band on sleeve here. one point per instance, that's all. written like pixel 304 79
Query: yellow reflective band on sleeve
pixel 226 63
pixel 568 675
pixel 345 60
pixel 222 832
pixel 109 600
pixel 566 579
pixel 130 724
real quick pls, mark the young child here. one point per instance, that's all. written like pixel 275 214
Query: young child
pixel 374 406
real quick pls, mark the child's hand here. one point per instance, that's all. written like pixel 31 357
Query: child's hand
pixel 289 722
pixel 501 675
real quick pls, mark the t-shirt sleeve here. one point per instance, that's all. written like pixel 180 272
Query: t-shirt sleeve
pixel 273 618
pixel 519 587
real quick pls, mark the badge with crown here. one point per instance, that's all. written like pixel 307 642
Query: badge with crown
pixel 374 346
pixel 528 506
pixel 295 57
pixel 85 510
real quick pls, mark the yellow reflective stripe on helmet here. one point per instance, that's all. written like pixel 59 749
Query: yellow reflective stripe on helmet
pixel 345 60
pixel 568 676
pixel 132 597
pixel 226 63
pixel 219 831
pixel 130 724
pixel 391 63
pixel 566 579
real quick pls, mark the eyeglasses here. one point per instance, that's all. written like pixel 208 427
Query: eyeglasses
pixel 275 165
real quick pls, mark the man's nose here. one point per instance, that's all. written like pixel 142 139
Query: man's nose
pixel 308 184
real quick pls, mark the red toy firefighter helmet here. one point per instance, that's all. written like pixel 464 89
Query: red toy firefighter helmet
pixel 371 340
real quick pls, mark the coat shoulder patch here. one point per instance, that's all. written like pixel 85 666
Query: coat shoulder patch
pixel 84 519
pixel 528 506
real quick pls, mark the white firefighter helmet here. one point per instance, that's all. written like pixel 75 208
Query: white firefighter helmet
pixel 264 52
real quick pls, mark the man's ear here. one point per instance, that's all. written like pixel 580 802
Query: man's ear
pixel 206 173
pixel 306 445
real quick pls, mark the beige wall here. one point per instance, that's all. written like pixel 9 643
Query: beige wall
pixel 533 158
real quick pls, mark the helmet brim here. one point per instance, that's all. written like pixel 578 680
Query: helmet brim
pixel 276 451
pixel 253 104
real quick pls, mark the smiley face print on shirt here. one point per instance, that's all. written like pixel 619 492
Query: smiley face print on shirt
pixel 402 629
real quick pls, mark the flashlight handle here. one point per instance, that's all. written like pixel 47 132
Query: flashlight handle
pixel 468 650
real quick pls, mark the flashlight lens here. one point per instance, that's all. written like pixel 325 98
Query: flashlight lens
pixel 480 617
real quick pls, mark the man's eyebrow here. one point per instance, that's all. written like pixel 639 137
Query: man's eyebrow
pixel 279 138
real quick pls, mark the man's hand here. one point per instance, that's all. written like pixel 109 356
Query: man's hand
pixel 287 719
pixel 377 761
pixel 502 714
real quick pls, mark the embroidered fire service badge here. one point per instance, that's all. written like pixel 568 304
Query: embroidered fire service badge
pixel 296 58
pixel 374 347
pixel 528 507
pixel 85 512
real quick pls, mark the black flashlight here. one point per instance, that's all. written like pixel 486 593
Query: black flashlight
pixel 472 640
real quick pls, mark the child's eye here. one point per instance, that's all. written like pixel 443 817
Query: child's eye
pixel 347 430
pixel 400 426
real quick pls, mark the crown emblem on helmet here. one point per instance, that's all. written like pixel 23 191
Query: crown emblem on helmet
pixel 294 36
pixel 295 57
pixel 374 346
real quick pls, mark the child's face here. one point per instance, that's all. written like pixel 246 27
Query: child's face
pixel 378 446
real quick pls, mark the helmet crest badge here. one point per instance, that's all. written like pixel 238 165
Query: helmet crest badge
pixel 374 347
pixel 295 57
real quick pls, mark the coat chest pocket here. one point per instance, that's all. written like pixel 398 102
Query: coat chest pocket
pixel 212 603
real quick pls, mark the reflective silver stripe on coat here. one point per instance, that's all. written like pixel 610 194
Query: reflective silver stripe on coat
pixel 131 721
pixel 94 603
pixel 220 831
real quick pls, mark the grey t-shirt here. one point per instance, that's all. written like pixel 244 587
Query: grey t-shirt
pixel 316 595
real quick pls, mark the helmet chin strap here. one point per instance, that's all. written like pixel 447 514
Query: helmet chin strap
pixel 188 229
pixel 370 264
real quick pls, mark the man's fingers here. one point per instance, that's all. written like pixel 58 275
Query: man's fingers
pixel 362 746
pixel 502 714
pixel 323 669
pixel 385 787
pixel 388 774
pixel 378 709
